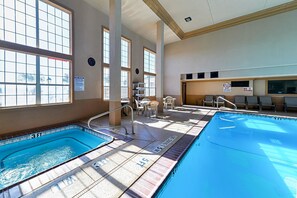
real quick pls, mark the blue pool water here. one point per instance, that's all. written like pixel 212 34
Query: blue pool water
pixel 44 150
pixel 238 155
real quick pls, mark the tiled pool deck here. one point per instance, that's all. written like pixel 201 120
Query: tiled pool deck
pixel 130 166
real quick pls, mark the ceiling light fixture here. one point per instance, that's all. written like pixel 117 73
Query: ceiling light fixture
pixel 188 19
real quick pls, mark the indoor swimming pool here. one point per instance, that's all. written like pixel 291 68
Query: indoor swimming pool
pixel 238 155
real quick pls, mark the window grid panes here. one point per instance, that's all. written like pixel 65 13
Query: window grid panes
pixel 17 79
pixel 106 83
pixel 124 84
pixel 30 79
pixel 54 29
pixel 150 85
pixel 54 80
pixel 105 46
pixel 125 63
pixel 125 46
pixel 18 22
pixel 125 50
pixel 149 59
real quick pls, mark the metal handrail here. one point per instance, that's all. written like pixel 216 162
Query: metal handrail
pixel 108 112
pixel 220 97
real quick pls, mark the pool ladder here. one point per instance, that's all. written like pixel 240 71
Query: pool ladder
pixel 217 101
pixel 113 127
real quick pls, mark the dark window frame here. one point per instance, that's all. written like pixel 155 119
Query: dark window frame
pixel 282 86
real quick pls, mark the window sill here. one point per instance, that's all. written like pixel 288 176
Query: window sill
pixel 34 106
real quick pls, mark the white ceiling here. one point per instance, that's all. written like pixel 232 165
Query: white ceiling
pixel 139 18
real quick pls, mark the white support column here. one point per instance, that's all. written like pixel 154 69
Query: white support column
pixel 115 60
pixel 160 65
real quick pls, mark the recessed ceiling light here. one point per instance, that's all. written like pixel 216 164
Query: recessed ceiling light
pixel 188 19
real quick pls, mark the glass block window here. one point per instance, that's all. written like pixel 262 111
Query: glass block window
pixel 150 85
pixel 17 79
pixel 18 21
pixel 106 83
pixel 34 79
pixel 124 84
pixel 54 29
pixel 54 80
pixel 149 59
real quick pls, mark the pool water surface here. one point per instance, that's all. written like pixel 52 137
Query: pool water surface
pixel 238 155
pixel 41 151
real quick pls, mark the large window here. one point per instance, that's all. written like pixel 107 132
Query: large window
pixel 282 86
pixel 54 26
pixel 125 64
pixel 149 59
pixel 30 73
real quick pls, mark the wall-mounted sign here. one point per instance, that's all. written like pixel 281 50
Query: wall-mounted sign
pixel 79 83
pixel 227 87
pixel 248 89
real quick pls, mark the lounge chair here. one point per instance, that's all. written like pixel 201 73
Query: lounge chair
pixel 219 101
pixel 265 101
pixel 252 101
pixel 290 102
pixel 208 100
pixel 240 101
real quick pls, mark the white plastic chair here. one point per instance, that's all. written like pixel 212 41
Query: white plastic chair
pixel 152 108
pixel 168 101
pixel 139 107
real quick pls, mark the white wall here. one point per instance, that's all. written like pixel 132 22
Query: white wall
pixel 88 23
pixel 266 47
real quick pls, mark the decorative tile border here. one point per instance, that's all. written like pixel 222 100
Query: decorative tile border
pixel 148 184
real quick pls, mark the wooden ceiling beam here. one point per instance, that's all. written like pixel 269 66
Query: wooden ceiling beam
pixel 160 11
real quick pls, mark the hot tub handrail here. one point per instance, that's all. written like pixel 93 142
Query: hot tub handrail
pixel 219 97
pixel 114 110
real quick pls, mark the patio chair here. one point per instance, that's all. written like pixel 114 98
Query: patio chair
pixel 240 101
pixel 290 102
pixel 252 101
pixel 266 101
pixel 208 100
pixel 168 101
pixel 152 108
pixel 139 107
pixel 219 101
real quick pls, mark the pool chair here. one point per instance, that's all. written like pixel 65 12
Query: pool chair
pixel 239 101
pixel 219 101
pixel 265 101
pixel 168 102
pixel 208 100
pixel 290 102
pixel 252 101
